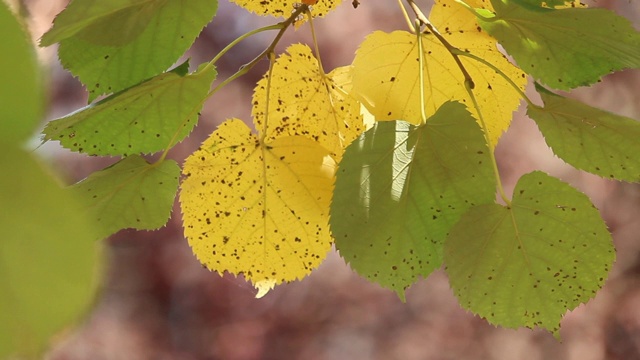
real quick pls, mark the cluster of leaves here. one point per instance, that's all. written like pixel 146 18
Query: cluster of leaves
pixel 399 196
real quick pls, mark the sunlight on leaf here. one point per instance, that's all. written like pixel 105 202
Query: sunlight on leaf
pixel 564 48
pixel 305 101
pixel 590 139
pixel 99 40
pixel 143 119
pixel 285 8
pixel 386 68
pixel 130 194
pixel 528 264
pixel 256 209
pixel 400 189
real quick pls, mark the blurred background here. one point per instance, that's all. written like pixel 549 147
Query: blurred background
pixel 157 302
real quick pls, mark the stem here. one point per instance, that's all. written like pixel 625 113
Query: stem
pixel 315 43
pixel 406 15
pixel 423 114
pixel 243 37
pixel 474 12
pixel 485 129
pixel 499 72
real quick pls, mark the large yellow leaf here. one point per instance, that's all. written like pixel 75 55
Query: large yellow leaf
pixel 386 72
pixel 255 208
pixel 284 8
pixel 301 100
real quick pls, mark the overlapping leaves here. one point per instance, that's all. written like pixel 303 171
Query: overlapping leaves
pixel 386 68
pixel 399 190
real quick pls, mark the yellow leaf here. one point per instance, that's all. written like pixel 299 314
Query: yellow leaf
pixel 301 100
pixel 285 8
pixel 386 72
pixel 258 209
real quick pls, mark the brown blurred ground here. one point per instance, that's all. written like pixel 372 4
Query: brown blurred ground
pixel 158 303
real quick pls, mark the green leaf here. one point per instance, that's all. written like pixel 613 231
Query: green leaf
pixel 47 261
pixel 527 264
pixel 21 90
pixel 130 194
pixel 113 22
pixel 143 119
pixel 590 139
pixel 564 48
pixel 153 35
pixel 399 190
pixel 541 4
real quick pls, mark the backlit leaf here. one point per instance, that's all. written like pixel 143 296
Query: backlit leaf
pixel 527 264
pixel 150 35
pixel 302 100
pixel 21 90
pixel 47 258
pixel 258 209
pixel 386 72
pixel 564 48
pixel 143 119
pixel 130 194
pixel 284 8
pixel 400 189
pixel 588 138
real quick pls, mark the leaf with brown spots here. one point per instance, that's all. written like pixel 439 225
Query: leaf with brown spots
pixel 301 100
pixel 257 208
pixel 527 264
pixel 284 8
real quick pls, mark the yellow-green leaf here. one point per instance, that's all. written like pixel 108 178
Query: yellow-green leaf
pixel 386 72
pixel 130 194
pixel 285 8
pixel 301 100
pixel 258 209
pixel 47 257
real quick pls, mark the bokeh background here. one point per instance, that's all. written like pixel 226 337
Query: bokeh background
pixel 157 302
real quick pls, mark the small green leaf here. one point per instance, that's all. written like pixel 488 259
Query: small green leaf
pixel 590 139
pixel 47 258
pixel 118 44
pixel 21 90
pixel 143 119
pixel 527 264
pixel 399 190
pixel 130 194
pixel 564 48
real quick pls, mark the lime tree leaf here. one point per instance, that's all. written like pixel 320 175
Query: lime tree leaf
pixel 21 91
pixel 47 258
pixel 386 81
pixel 400 189
pixel 540 5
pixel 527 264
pixel 590 139
pixel 114 22
pixel 301 100
pixel 258 209
pixel 564 48
pixel 130 194
pixel 152 35
pixel 281 8
pixel 143 119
